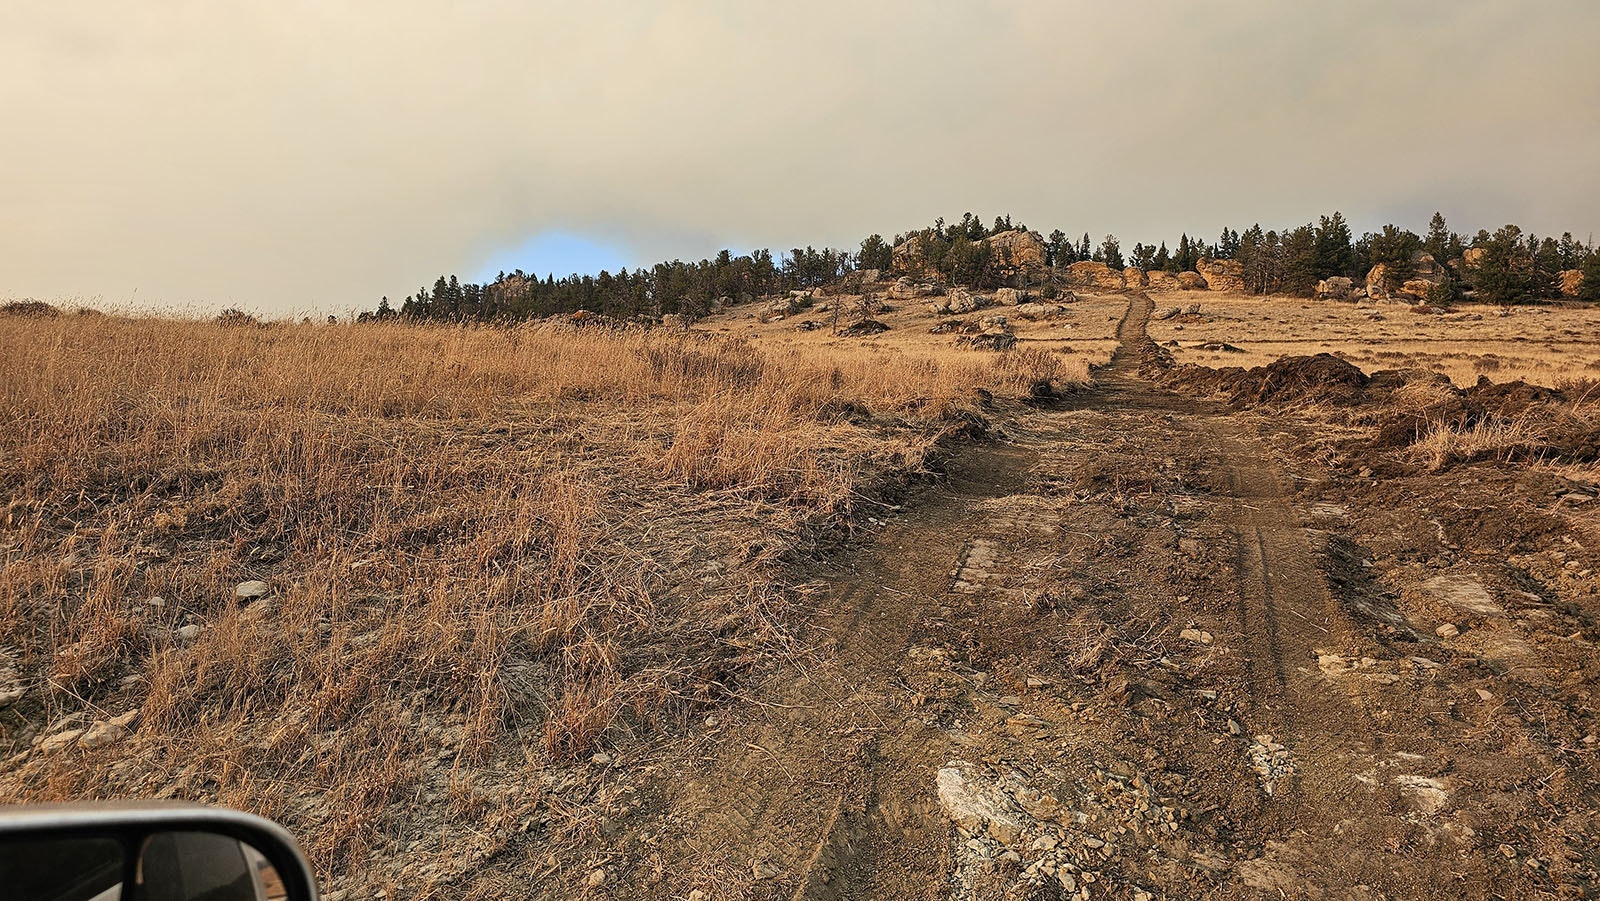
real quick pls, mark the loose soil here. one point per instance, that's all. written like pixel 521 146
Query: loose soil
pixel 1140 645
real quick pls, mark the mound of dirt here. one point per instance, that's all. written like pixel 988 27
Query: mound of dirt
pixel 988 341
pixel 864 329
pixel 31 308
pixel 1319 378
pixel 1322 377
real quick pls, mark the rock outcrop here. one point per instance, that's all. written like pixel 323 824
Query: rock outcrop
pixel 1161 280
pixel 1418 289
pixel 1016 250
pixel 1007 297
pixel 1336 288
pixel 1222 275
pixel 1089 274
pixel 1192 281
pixel 911 257
pixel 957 302
pixel 1134 277
pixel 1472 257
pixel 1040 311
pixel 1571 281
pixel 906 289
pixel 1378 282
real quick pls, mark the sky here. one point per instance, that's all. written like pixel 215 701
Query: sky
pixel 314 155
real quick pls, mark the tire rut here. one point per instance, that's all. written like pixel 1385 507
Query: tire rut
pixel 822 786
pixel 790 804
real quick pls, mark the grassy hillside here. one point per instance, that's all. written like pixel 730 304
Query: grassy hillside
pixel 483 548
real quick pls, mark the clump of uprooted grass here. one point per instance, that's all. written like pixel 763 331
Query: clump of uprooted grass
pixel 487 548
pixel 1492 438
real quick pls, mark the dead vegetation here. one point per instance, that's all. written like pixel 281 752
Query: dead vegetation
pixel 1544 345
pixel 484 549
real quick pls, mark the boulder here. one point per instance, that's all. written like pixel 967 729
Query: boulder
pixel 910 257
pixel 906 289
pixel 1571 281
pixel 988 341
pixel 1089 274
pixel 1161 280
pixel 1016 250
pixel 1423 265
pixel 977 805
pixel 251 590
pixel 964 301
pixel 1134 277
pixel 957 302
pixel 1007 297
pixel 1222 275
pixel 1192 281
pixel 1472 257
pixel 995 324
pixel 1378 282
pixel 1417 288
pixel 1040 311
pixel 1336 288
pixel 866 328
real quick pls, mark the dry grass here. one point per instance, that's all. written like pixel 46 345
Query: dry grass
pixel 1541 345
pixel 487 549
pixel 1084 337
pixel 1497 439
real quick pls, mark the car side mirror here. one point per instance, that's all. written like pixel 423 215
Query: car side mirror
pixel 148 852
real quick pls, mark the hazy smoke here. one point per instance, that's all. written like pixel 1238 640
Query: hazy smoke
pixel 301 155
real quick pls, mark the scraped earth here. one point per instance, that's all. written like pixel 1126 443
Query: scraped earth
pixel 1143 645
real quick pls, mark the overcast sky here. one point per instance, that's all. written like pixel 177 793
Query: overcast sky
pixel 296 156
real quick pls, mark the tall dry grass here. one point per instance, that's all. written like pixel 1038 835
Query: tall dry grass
pixel 487 548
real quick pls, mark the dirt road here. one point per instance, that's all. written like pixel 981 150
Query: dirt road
pixel 1119 653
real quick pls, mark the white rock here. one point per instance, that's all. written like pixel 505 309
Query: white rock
pixel 597 878
pixel 976 804
pixel 189 632
pixel 1195 635
pixel 1448 630
pixel 248 591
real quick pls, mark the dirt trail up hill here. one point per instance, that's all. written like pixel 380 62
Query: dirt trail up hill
pixel 1110 656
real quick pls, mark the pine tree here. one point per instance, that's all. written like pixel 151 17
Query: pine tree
pixel 1301 264
pixel 1186 257
pixel 875 253
pixel 1438 240
pixel 1507 272
pixel 1162 259
pixel 1334 253
pixel 1053 248
pixel 1111 253
pixel 1589 290
pixel 1144 257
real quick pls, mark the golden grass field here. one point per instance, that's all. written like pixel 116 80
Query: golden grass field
pixel 485 546
pixel 1540 344
pixel 1085 337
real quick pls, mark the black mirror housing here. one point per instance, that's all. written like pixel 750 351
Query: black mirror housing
pixel 138 851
